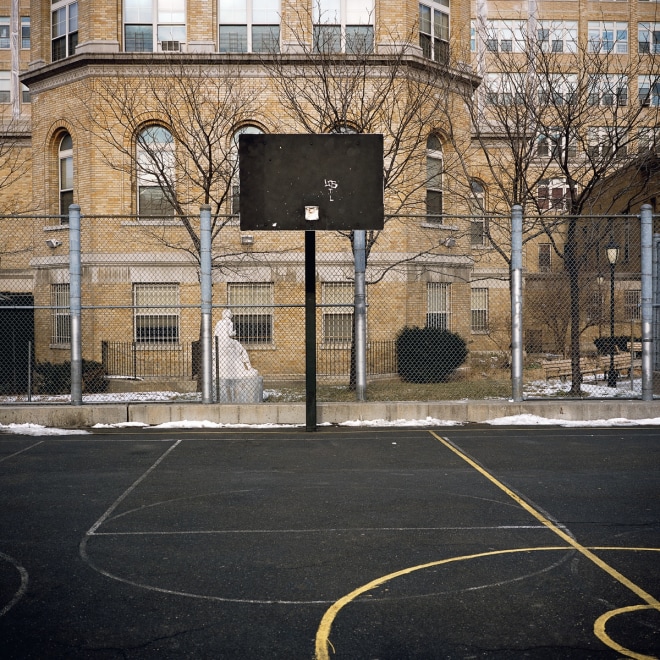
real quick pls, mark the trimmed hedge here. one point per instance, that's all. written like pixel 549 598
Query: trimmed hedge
pixel 429 355
pixel 55 377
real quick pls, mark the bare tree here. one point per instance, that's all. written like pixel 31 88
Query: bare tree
pixel 336 83
pixel 389 90
pixel 170 124
pixel 559 132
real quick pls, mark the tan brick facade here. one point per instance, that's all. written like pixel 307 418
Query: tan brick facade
pixel 66 99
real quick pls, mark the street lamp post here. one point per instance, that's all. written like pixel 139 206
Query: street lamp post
pixel 599 310
pixel 612 251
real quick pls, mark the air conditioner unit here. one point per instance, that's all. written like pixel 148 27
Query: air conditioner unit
pixel 170 46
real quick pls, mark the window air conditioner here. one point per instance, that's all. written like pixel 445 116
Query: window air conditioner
pixel 170 46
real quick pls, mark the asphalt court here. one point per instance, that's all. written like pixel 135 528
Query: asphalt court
pixel 397 543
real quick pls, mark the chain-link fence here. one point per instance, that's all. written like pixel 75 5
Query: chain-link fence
pixel 438 320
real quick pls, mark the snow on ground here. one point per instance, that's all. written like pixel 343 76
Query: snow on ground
pixel 536 389
pixel 515 420
pixel 37 429
pixel 540 389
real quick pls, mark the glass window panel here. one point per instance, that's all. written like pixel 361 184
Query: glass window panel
pixel 139 39
pixel 73 17
pixel 66 199
pixel 137 11
pixel 5 93
pixel 61 325
pixel 337 293
pixel 59 22
pixel 434 204
pixel 359 39
pixel 265 38
pixel 425 19
pixel 233 11
pixel 434 172
pixel 4 31
pixel 327 38
pixel 25 32
pixel 359 12
pixel 265 12
pixel 233 39
pixel 251 306
pixel 171 11
pixel 152 201
pixel 66 173
pixel 171 33
pixel 327 11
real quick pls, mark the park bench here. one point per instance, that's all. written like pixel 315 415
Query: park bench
pixel 623 362
pixel 635 347
pixel 562 368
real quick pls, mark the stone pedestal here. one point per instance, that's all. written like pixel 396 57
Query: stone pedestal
pixel 240 390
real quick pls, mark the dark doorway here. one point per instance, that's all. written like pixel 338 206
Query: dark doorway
pixel 16 338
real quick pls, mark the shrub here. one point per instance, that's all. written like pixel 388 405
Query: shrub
pixel 620 344
pixel 429 355
pixel 55 377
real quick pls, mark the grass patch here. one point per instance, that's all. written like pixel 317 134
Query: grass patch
pixel 395 390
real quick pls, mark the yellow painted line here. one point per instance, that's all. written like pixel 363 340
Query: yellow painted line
pixel 646 597
pixel 599 629
pixel 323 632
pixel 323 643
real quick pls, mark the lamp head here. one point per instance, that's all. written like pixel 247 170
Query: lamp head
pixel 612 252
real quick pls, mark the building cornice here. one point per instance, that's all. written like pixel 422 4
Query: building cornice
pixel 43 76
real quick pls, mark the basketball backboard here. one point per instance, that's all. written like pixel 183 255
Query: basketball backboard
pixel 311 182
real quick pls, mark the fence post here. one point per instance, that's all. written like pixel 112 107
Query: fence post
pixel 207 299
pixel 646 218
pixel 359 247
pixel 516 303
pixel 74 304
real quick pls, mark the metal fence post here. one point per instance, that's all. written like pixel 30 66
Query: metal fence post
pixel 516 304
pixel 656 303
pixel 359 247
pixel 74 304
pixel 646 218
pixel 207 299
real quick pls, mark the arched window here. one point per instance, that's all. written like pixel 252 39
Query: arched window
pixel 65 156
pixel 434 171
pixel 235 188
pixel 155 172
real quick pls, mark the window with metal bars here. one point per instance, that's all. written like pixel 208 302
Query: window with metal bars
pixel 251 304
pixel 479 309
pixel 438 307
pixel 338 319
pixel 61 320
pixel 156 313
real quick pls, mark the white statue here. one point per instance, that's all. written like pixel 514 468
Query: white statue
pixel 231 363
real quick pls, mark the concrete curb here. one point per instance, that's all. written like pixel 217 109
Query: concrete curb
pixel 86 416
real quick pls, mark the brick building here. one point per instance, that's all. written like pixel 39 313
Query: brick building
pixel 131 110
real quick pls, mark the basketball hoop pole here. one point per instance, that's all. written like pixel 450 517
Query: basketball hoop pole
pixel 310 330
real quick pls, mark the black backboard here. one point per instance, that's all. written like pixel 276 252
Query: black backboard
pixel 288 180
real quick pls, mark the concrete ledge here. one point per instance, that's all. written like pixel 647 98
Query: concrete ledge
pixel 65 417
pixel 327 413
